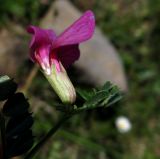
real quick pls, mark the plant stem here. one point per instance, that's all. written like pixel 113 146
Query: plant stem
pixel 30 78
pixel 47 137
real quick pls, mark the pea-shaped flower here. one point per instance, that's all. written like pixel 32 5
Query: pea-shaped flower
pixel 55 53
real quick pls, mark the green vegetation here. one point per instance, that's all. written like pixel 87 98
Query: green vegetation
pixel 22 12
pixel 133 26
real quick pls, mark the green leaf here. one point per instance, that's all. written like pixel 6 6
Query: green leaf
pixel 86 94
pixel 103 97
pixel 98 98
pixel 107 86
pixel 114 94
pixel 7 87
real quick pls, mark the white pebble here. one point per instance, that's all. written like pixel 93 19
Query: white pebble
pixel 123 124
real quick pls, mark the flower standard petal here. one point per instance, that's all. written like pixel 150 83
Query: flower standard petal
pixel 67 43
pixel 81 30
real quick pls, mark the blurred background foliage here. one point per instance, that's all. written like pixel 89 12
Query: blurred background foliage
pixel 133 26
pixel 22 12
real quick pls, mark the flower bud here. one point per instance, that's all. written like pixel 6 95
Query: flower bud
pixel 61 84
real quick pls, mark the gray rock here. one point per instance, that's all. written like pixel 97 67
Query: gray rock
pixel 99 59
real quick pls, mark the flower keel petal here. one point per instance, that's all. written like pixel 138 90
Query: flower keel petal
pixel 42 57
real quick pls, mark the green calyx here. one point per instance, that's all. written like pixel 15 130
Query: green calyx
pixel 62 85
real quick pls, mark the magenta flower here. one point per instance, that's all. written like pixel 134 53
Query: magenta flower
pixel 53 52
pixel 48 49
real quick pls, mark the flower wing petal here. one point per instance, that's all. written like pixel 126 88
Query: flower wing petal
pixel 79 31
pixel 68 54
pixel 41 37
